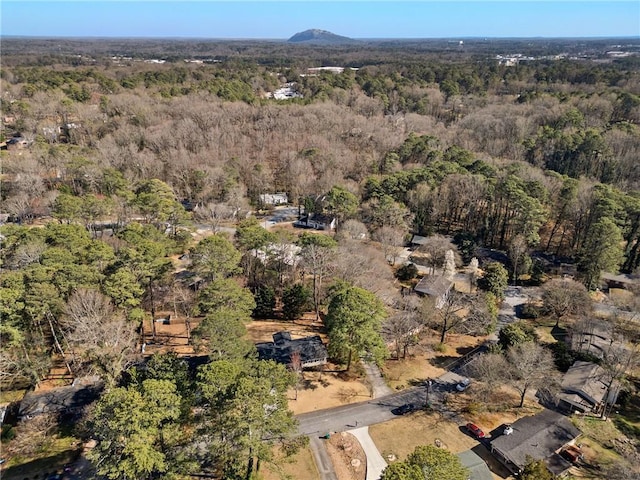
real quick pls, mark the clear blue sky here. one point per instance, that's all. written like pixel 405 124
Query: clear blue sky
pixel 356 19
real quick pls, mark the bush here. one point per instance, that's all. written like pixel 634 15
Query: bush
pixel 8 433
pixel 530 311
pixel 407 272
pixel 440 347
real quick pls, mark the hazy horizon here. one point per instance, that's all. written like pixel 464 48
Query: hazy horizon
pixel 366 20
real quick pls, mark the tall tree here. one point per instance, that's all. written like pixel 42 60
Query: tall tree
pixel 215 257
pixel 354 320
pixel 132 428
pixel 518 255
pixel 495 279
pixel 341 203
pixel 601 251
pixel 317 252
pixel 427 462
pixel 248 414
pixel 531 366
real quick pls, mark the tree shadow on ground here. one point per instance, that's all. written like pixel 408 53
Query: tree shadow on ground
pixel 41 467
pixel 442 361
pixel 307 384
pixel 559 333
pixel 462 351
pixel 416 382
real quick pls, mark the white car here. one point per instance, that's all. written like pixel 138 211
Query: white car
pixel 463 385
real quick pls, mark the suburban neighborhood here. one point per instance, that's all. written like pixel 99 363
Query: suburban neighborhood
pixel 320 258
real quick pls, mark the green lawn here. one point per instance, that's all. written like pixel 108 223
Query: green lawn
pixel 50 459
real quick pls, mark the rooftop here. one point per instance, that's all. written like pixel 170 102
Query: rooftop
pixel 433 285
pixel 585 380
pixel 312 351
pixel 540 437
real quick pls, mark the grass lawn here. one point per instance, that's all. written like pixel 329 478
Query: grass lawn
pixel 300 465
pixel 599 440
pixel 51 459
pixel 8 396
pixel 628 418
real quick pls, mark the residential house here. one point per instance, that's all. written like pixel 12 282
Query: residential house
pixel 619 281
pixel 435 286
pixel 312 351
pixel 584 389
pixel 274 198
pixel 62 400
pixel 287 253
pixel 417 241
pixel 316 221
pixel 538 437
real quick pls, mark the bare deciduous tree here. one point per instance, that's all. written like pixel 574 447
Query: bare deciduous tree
pixel 99 334
pixel 392 240
pixel 531 366
pixel 435 249
pixel 562 297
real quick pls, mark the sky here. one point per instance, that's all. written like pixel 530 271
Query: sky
pixel 267 19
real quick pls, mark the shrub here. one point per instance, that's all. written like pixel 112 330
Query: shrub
pixel 407 272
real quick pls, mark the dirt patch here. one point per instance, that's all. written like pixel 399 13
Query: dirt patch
pixel 319 390
pixel 171 334
pixel 425 362
pixel 347 456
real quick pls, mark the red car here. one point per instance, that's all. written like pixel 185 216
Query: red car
pixel 475 430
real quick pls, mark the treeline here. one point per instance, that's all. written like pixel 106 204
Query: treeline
pixel 476 148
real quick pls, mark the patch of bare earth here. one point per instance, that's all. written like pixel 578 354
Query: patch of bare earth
pixel 424 362
pixel 348 457
pixel 171 334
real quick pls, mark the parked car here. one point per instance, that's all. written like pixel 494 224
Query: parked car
pixel 475 430
pixel 463 385
pixel 404 409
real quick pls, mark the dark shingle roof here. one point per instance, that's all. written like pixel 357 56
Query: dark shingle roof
pixel 60 400
pixel 584 379
pixel 312 350
pixel 537 436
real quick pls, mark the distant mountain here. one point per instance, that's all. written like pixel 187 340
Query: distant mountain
pixel 318 36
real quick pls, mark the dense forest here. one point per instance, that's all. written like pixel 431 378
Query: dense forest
pixel 114 152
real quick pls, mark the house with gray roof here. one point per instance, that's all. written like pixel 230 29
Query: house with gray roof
pixel 61 400
pixel 313 352
pixel 584 389
pixel 537 437
pixel 435 286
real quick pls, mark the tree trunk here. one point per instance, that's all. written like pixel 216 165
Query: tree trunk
pixel 524 392
pixel 58 346
pixel 349 361
pixel 443 334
